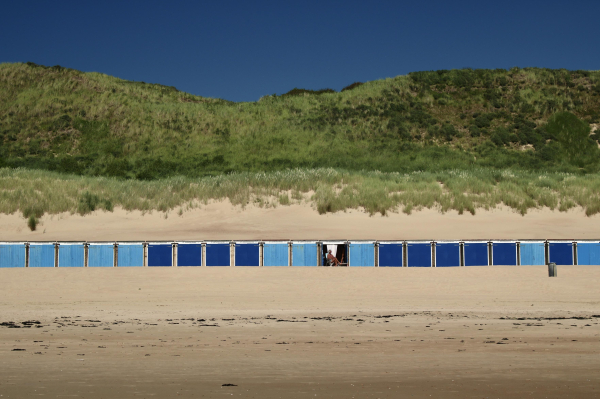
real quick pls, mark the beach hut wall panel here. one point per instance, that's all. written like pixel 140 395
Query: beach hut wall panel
pixel 218 254
pixel 276 254
pixel 41 255
pixel 418 254
pixel 560 253
pixel 160 254
pixel 189 254
pixel 71 255
pixel 101 255
pixel 504 253
pixel 12 255
pixel 447 254
pixel 588 253
pixel 247 254
pixel 304 254
pixel 476 253
pixel 130 255
pixel 362 254
pixel 390 254
pixel 532 253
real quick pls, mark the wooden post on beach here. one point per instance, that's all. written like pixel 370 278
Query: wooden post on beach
pixel 56 254
pixel 115 255
pixel 319 253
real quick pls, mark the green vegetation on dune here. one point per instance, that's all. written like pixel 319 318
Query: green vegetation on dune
pixel 91 124
pixel 34 193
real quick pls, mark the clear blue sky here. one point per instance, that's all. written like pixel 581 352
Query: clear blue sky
pixel 242 50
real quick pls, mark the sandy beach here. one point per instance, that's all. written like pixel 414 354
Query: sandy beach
pixel 477 332
pixel 222 221
pixel 300 332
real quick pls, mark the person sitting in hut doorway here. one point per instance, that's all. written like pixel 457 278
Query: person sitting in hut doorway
pixel 332 260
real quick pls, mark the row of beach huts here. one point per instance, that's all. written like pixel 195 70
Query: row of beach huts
pixel 363 253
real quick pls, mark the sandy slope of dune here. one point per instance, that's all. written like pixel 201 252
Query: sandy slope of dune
pixel 221 220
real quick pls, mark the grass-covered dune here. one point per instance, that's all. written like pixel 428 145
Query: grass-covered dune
pixel 63 120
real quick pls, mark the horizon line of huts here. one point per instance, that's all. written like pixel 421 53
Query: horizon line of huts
pixel 361 253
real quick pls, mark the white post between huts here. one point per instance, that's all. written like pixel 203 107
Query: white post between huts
pixel 261 253
pixel 145 253
pixel 173 254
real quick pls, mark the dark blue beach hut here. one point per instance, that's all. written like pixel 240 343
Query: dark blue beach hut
pixel 560 252
pixel 418 254
pixel 160 254
pixel 447 253
pixel 390 254
pixel 476 253
pixel 247 253
pixel 189 254
pixel 218 253
pixel 504 253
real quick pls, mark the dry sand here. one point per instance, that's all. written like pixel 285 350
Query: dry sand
pixel 222 221
pixel 482 332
